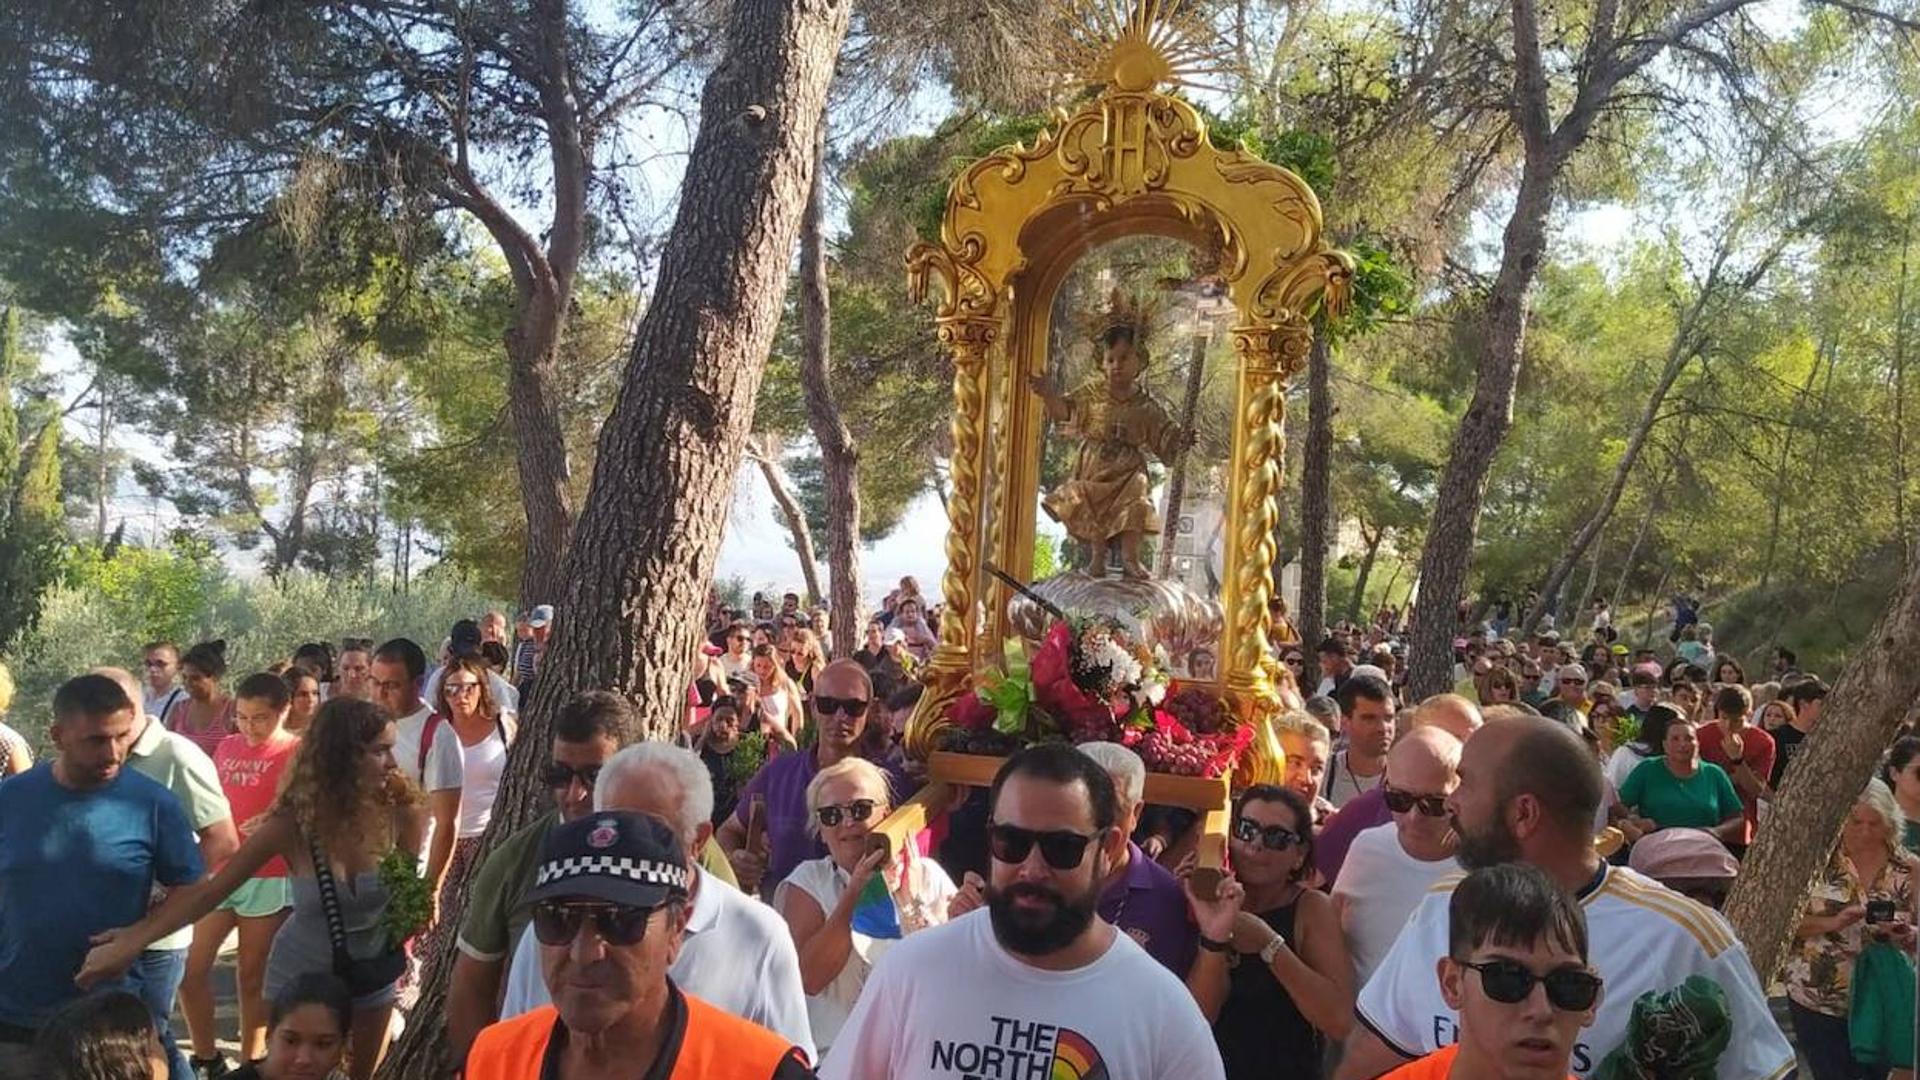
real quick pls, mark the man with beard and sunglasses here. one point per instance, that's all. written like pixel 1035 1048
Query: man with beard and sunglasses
pixel 1529 790
pixel 1510 929
pixel 1035 985
pixel 842 699
pixel 610 911
pixel 1390 867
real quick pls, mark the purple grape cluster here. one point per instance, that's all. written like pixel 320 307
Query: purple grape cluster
pixel 1197 708
pixel 1174 752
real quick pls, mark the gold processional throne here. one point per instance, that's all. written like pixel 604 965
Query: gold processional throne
pixel 1130 161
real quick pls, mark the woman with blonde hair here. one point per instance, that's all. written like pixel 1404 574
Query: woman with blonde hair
pixel 777 707
pixel 342 808
pixel 465 700
pixel 1864 896
pixel 15 755
pixel 845 801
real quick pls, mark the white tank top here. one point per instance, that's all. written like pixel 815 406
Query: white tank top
pixel 483 763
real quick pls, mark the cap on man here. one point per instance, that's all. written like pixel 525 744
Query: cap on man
pixel 610 909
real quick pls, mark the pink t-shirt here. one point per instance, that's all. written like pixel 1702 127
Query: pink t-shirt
pixel 207 738
pixel 250 775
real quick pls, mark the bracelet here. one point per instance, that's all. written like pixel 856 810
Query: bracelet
pixel 1211 945
pixel 1272 948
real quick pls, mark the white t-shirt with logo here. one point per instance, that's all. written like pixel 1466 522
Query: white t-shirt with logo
pixel 949 1003
pixel 1379 887
pixel 1642 937
pixel 737 956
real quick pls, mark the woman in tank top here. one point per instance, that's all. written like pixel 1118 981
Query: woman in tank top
pixel 205 713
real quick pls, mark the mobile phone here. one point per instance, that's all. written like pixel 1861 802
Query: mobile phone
pixel 1879 911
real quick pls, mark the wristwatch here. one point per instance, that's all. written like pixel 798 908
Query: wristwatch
pixel 1272 948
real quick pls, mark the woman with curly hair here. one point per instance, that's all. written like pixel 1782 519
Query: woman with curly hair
pixel 342 808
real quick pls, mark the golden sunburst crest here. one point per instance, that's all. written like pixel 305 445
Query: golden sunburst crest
pixel 1135 46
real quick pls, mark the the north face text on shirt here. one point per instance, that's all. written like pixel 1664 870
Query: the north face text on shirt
pixel 1020 1050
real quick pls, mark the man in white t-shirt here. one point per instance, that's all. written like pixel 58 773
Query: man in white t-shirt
pixel 160 661
pixel 1389 868
pixel 1366 719
pixel 1035 985
pixel 426 749
pixel 736 953
pixel 1528 791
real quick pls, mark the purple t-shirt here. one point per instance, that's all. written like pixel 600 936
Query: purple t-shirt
pixel 1148 904
pixel 783 781
pixel 1330 844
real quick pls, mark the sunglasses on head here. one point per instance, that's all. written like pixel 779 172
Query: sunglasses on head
pixel 1062 849
pixel 858 810
pixel 1271 837
pixel 1402 801
pixel 557 923
pixel 1509 983
pixel 557 775
pixel 851 706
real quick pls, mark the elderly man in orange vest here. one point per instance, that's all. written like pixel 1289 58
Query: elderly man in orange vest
pixel 609 905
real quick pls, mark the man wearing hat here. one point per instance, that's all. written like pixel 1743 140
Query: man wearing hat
pixel 609 908
pixel 527 651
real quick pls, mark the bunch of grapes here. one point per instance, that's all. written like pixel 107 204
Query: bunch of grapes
pixel 991 743
pixel 1173 750
pixel 1197 708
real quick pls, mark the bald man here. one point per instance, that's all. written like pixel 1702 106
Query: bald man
pixel 1527 793
pixel 1452 714
pixel 1390 867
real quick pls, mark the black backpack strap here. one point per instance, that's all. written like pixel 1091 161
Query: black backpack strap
pixel 330 905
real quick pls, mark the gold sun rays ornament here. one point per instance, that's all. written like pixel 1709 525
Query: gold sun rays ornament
pixel 1136 46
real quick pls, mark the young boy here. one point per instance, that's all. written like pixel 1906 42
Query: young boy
pixel 1516 973
pixel 250 763
pixel 1745 751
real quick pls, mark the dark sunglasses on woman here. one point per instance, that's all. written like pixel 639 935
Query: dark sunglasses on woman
pixel 858 810
pixel 1271 837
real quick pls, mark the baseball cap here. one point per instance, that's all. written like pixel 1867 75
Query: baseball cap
pixel 620 856
pixel 895 636
pixel 464 638
pixel 1619 650
pixel 1682 853
pixel 540 616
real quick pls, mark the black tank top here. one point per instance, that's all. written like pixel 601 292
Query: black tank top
pixel 1260 1031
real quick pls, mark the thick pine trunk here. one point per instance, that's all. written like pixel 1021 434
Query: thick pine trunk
pixel 642 555
pixel 767 458
pixel 1316 481
pixel 1359 597
pixel 1463 486
pixel 540 447
pixel 839 454
pixel 1867 704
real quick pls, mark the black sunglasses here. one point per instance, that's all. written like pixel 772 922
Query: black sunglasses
pixel 556 923
pixel 557 775
pixel 852 706
pixel 857 810
pixel 1063 850
pixel 1271 837
pixel 1509 982
pixel 1402 801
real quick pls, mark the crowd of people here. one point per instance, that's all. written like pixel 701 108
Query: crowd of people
pixel 1514 879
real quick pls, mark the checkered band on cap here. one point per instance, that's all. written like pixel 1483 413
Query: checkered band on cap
pixel 645 871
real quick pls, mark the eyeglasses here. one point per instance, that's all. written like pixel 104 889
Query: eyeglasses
pixel 156 665
pixel 1062 849
pixel 557 775
pixel 851 706
pixel 1509 983
pixel 1271 837
pixel 617 924
pixel 858 810
pixel 1573 682
pixel 1402 801
pixel 460 687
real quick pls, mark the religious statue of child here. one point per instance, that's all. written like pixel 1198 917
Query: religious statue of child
pixel 1107 496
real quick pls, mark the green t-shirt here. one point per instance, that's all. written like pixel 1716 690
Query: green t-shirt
pixel 180 766
pixel 1701 801
pixel 496 916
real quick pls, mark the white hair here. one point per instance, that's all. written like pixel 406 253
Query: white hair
pixel 1128 771
pixel 696 784
pixel 1878 797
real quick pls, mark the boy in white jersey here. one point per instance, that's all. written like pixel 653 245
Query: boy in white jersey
pixel 1528 793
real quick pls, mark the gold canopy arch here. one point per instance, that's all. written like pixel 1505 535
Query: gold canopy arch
pixel 1132 160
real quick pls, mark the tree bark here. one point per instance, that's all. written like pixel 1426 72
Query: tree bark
pixel 1866 706
pixel 768 459
pixel 1316 482
pixel 1463 486
pixel 642 556
pixel 1359 597
pixel 839 453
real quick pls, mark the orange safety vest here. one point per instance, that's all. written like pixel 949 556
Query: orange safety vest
pixel 1435 1066
pixel 712 1045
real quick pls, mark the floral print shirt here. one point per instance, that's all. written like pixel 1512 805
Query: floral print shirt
pixel 1820 968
